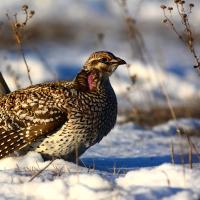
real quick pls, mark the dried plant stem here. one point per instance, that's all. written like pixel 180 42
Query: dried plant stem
pixel 40 171
pixel 137 45
pixel 184 17
pixel 193 147
pixel 16 32
pixel 24 59
pixel 190 151
pixel 188 42
pixel 172 111
pixel 174 117
pixel 173 27
pixel 172 152
pixel 173 114
pixel 134 36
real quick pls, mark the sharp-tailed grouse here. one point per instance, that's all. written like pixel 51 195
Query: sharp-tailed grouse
pixel 61 119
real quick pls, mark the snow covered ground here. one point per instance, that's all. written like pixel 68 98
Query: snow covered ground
pixel 132 162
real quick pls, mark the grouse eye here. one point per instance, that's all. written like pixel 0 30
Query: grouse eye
pixel 104 60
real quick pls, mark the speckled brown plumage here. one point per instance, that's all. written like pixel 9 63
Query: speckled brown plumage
pixel 61 119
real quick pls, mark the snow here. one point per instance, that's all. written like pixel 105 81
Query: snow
pixel 165 175
pixel 132 162
pixel 163 182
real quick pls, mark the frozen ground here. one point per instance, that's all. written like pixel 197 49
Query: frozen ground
pixel 131 162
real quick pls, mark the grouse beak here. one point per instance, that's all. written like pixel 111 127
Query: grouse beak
pixel 119 61
pixel 116 62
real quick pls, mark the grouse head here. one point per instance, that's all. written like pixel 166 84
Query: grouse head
pixel 98 67
pixel 104 62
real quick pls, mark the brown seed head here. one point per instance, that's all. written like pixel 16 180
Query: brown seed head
pixel 31 13
pixel 181 2
pixel 164 21
pixel 163 7
pixel 17 25
pixel 24 7
pixel 170 8
pixel 184 16
pixel 191 5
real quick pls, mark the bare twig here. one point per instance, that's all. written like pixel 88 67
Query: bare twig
pixel 134 35
pixel 17 28
pixel 172 152
pixel 188 41
pixel 190 151
pixel 184 18
pixel 40 171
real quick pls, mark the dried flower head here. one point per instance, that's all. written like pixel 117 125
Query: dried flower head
pixel 184 10
pixel 17 25
pixel 191 5
pixel 24 7
pixel 164 21
pixel 184 16
pixel 170 8
pixel 181 2
pixel 163 6
pixel 31 13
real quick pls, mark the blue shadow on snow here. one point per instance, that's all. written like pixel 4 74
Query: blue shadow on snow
pixel 125 164
pixel 67 73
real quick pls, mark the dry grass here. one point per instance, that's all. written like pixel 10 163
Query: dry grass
pixel 184 10
pixel 18 32
pixel 158 115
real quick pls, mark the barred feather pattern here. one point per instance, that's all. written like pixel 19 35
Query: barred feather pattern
pixel 61 119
